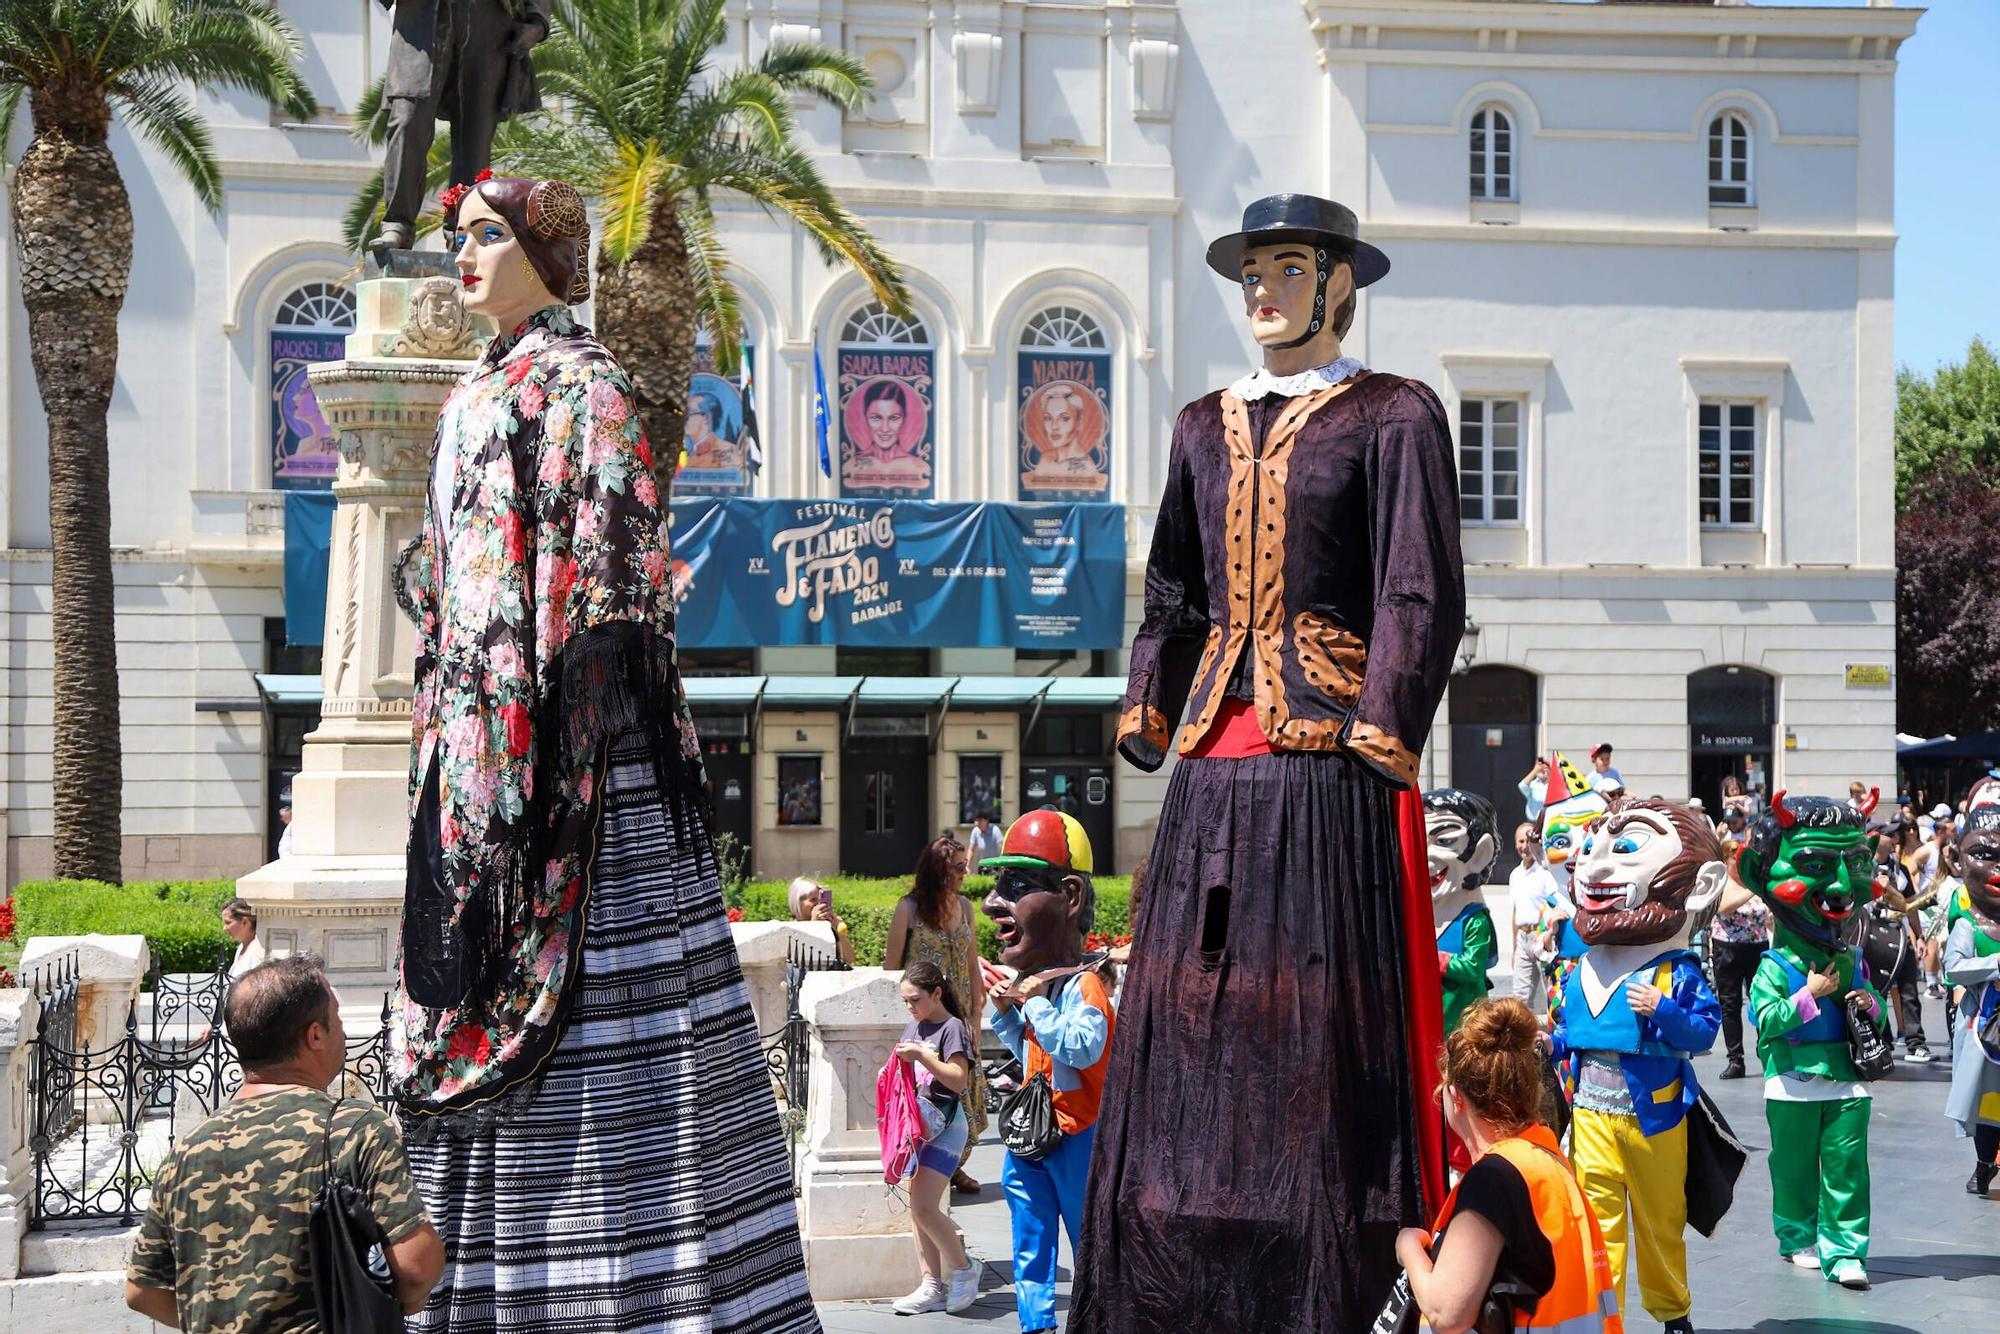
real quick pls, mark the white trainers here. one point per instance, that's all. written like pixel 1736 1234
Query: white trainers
pixel 1850 1274
pixel 964 1289
pixel 929 1296
pixel 1805 1259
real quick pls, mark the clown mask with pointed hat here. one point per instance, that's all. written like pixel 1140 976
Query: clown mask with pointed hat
pixel 1568 810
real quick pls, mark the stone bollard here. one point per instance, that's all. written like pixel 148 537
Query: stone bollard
pixel 761 947
pixel 857 1226
pixel 111 970
pixel 19 1011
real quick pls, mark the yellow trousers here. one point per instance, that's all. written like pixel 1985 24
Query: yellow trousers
pixel 1637 1187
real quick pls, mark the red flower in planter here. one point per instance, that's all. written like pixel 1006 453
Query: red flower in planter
pixel 735 914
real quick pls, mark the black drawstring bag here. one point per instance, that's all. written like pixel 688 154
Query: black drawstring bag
pixel 1028 1121
pixel 347 1251
pixel 1874 1055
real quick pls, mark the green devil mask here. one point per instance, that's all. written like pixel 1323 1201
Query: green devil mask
pixel 1809 858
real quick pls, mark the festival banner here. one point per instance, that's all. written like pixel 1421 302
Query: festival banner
pixel 1064 424
pixel 887 437
pixel 304 450
pixel 721 429
pixel 902 574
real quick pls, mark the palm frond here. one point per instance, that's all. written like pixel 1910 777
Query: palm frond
pixel 826 72
pixel 789 183
pixel 371 115
pixel 165 117
pixel 715 293
pixel 629 196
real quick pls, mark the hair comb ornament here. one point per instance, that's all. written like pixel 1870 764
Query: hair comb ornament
pixel 555 211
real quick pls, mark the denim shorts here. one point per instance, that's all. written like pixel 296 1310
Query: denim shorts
pixel 941 1151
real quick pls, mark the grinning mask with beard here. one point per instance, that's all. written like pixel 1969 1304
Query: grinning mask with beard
pixel 1979 861
pixel 1650 873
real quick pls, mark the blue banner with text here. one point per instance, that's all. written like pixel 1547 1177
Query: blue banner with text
pixel 899 574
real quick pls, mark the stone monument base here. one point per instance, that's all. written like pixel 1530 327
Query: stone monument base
pixel 347 910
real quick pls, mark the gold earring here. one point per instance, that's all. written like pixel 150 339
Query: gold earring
pixel 527 267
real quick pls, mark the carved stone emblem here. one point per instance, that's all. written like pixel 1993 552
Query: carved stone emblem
pixel 436 325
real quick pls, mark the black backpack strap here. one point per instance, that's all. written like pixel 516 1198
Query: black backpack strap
pixel 326 1143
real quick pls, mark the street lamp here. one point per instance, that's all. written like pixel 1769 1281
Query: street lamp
pixel 1468 644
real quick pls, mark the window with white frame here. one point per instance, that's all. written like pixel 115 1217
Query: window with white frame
pixel 1492 144
pixel 1728 460
pixel 1489 461
pixel 1729 159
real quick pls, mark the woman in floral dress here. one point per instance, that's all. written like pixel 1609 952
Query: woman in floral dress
pixel 934 923
pixel 578 1072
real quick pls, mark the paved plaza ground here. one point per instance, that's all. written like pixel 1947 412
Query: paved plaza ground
pixel 1935 1256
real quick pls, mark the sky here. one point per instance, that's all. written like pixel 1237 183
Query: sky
pixel 1948 184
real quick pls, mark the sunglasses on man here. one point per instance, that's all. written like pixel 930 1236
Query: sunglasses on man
pixel 1015 883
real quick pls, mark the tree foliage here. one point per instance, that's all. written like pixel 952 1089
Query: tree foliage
pixel 1948 607
pixel 1949 422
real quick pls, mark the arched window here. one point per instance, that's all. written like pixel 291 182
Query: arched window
pixel 1729 159
pixel 1495 712
pixel 721 452
pixel 1492 143
pixel 887 377
pixel 311 324
pixel 1063 406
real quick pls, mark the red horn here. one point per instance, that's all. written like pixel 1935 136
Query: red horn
pixel 1868 806
pixel 1786 818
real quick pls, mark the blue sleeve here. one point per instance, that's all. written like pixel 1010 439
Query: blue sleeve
pixel 1007 1026
pixel 1690 1016
pixel 1076 1033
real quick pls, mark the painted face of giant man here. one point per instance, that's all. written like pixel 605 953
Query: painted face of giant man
pixel 1650 873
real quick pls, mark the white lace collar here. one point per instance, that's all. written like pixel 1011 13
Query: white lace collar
pixel 1261 382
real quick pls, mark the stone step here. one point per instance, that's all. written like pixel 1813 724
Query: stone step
pixel 79 1248
pixel 71 1304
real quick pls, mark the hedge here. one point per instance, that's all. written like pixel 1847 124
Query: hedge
pixel 867 905
pixel 180 919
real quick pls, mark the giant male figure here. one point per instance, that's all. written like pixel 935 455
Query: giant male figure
pixel 1257 1152
pixel 465 61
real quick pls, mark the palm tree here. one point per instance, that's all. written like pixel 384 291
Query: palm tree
pixel 77 64
pixel 646 125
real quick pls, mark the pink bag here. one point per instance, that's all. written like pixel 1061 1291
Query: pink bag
pixel 898 1118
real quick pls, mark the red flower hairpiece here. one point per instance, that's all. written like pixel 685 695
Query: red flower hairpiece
pixel 454 195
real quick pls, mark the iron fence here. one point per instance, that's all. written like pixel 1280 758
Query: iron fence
pixel 788 1051
pixel 102 1120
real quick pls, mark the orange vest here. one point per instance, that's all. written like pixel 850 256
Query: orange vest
pixel 1583 1299
pixel 1076 1109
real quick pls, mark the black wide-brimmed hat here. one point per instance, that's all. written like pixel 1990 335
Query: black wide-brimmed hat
pixel 1307 218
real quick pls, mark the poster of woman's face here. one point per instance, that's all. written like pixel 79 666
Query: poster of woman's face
pixel 885 424
pixel 1065 428
pixel 305 452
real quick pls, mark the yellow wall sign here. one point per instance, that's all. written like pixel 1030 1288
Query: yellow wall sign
pixel 1867 673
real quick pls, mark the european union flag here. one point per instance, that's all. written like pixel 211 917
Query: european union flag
pixel 822 412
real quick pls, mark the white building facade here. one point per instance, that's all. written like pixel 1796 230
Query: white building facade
pixel 1643 251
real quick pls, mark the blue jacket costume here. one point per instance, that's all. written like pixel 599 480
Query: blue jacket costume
pixel 1653 1049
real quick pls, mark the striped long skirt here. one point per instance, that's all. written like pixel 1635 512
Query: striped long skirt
pixel 645 1186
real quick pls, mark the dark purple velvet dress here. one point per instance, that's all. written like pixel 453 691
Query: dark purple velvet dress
pixel 1257 1150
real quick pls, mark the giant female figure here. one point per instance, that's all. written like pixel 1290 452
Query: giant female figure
pixel 1259 1145
pixel 588 1113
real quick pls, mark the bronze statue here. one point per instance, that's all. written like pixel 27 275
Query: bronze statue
pixel 465 61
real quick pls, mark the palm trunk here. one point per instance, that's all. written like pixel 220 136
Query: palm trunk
pixel 73 235
pixel 646 314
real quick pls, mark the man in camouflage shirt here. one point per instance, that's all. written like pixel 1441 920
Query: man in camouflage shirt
pixel 223 1245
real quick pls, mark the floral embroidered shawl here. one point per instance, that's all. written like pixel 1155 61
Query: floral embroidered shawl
pixel 546 629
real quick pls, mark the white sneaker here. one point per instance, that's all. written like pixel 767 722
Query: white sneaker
pixel 1805 1259
pixel 1850 1274
pixel 929 1296
pixel 964 1289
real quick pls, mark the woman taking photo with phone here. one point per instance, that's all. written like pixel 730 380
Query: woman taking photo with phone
pixel 1517 1221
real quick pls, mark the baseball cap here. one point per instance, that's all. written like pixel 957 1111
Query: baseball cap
pixel 1941 812
pixel 1044 840
pixel 1601 748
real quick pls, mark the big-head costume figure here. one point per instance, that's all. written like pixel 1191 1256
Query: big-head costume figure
pixel 1809 858
pixel 1461 841
pixel 1570 808
pixel 1637 1007
pixel 1057 1019
pixel 1972 961
pixel 1304 598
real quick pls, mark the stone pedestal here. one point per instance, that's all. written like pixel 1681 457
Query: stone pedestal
pixel 109 972
pixel 341 893
pixel 857 1226
pixel 762 949
pixel 19 1014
